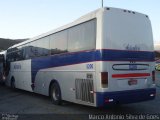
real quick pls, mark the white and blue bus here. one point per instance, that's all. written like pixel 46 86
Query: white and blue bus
pixel 105 57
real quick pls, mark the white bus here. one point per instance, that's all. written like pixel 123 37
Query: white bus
pixel 105 57
pixel 2 66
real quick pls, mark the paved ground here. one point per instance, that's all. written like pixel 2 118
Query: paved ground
pixel 22 102
pixel 158 78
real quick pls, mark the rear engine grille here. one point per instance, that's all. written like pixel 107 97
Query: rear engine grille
pixel 84 90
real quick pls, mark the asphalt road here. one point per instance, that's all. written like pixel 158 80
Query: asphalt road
pixel 22 102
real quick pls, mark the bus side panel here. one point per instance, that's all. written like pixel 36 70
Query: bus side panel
pixel 21 72
pixel 67 77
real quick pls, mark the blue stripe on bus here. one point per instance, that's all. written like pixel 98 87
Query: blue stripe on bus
pixel 62 60
pixel 124 97
pixel 121 55
pixel 87 56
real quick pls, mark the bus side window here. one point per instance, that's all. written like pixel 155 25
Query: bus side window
pixel 82 37
pixel 58 42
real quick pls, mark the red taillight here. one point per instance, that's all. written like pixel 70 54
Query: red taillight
pixel 104 79
pixel 153 76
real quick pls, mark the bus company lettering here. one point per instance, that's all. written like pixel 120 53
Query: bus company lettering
pixel 131 47
pixel 17 66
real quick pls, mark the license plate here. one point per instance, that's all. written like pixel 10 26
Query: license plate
pixel 132 82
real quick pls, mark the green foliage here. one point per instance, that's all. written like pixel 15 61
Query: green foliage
pixel 158 67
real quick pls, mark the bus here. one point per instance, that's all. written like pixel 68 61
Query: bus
pixel 2 66
pixel 157 56
pixel 105 57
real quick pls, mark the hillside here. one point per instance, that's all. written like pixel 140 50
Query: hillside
pixel 6 43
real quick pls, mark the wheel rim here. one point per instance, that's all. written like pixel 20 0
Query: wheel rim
pixel 55 93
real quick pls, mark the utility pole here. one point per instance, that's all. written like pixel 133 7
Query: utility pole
pixel 102 3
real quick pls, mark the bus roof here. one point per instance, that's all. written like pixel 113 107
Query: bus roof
pixel 82 19
pixel 2 53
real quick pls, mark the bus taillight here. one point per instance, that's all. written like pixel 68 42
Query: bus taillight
pixel 153 76
pixel 104 79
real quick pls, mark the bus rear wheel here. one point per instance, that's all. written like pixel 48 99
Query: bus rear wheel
pixel 13 83
pixel 55 94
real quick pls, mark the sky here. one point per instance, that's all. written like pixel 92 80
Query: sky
pixel 28 18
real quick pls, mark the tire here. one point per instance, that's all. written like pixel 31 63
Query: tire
pixel 55 94
pixel 13 83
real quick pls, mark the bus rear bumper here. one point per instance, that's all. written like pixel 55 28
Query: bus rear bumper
pixel 124 97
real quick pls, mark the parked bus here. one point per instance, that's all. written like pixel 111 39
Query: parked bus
pixel 104 57
pixel 2 66
pixel 157 56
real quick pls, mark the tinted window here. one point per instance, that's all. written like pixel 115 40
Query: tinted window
pixel 43 47
pixel 37 48
pixel 58 42
pixel 15 54
pixel 82 37
pixel 19 53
